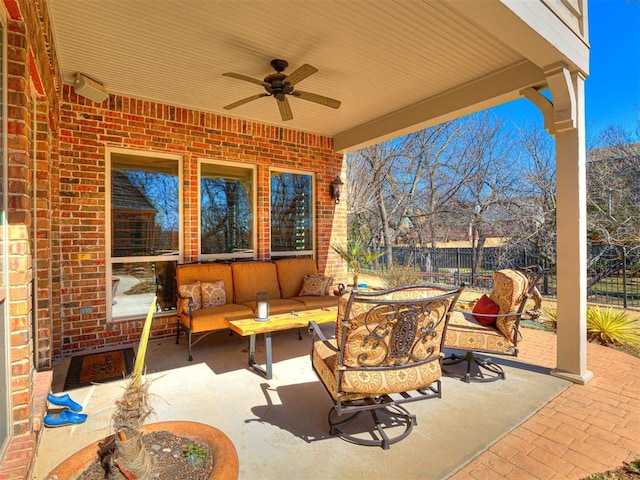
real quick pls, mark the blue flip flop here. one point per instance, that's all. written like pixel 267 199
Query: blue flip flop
pixel 64 401
pixel 63 418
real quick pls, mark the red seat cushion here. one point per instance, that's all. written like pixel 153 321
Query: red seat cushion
pixel 486 306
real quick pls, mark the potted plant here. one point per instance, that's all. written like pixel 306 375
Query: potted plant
pixel 357 254
pixel 125 451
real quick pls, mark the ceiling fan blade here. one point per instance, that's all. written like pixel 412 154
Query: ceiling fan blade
pixel 285 109
pixel 313 97
pixel 239 76
pixel 300 74
pixel 245 100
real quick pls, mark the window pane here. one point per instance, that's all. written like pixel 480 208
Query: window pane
pixel 226 209
pixel 144 207
pixel 291 212
pixel 133 288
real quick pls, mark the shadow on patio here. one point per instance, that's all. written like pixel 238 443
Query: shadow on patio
pixel 531 425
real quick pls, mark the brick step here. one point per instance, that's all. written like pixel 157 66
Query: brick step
pixel 20 458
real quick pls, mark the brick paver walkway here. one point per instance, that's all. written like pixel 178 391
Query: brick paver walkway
pixel 586 429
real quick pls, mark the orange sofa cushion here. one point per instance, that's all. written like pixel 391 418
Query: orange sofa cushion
pixel 291 273
pixel 249 278
pixel 208 319
pixel 190 273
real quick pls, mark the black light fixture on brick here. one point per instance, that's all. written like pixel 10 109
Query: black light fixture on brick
pixel 335 189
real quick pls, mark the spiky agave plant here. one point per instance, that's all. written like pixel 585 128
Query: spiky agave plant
pixel 132 409
pixel 609 326
pixel 549 319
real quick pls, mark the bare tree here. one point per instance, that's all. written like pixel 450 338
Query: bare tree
pixel 404 186
pixel 533 209
pixel 418 186
pixel 493 183
pixel 613 179
pixel 369 176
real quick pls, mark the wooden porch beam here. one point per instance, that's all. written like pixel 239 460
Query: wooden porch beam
pixel 494 89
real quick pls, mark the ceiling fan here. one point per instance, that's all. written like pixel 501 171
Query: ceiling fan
pixel 279 85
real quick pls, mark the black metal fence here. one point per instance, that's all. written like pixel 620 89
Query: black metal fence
pixel 613 275
pixel 613 271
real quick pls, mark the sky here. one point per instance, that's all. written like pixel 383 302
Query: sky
pixel 612 90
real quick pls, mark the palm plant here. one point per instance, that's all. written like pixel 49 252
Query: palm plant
pixel 357 254
pixel 125 447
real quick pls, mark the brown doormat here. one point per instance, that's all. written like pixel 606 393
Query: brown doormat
pixel 99 367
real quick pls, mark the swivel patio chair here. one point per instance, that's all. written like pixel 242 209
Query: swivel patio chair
pixel 493 325
pixel 387 352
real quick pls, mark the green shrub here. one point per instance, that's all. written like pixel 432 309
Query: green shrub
pixel 397 276
pixel 608 326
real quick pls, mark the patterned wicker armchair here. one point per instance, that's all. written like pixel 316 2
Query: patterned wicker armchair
pixel 387 351
pixel 493 325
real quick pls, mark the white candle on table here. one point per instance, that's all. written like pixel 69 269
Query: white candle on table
pixel 262 309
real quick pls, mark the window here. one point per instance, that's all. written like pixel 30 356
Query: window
pixel 145 236
pixel 292 229
pixel 227 220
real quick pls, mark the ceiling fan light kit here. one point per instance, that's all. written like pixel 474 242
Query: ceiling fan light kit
pixel 278 85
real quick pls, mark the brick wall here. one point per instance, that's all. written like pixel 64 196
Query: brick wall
pixel 30 81
pixel 56 161
pixel 87 129
pixel 31 88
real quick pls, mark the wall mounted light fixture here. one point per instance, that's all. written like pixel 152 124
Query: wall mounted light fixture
pixel 90 88
pixel 335 189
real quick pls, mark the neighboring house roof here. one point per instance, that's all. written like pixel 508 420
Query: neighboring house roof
pixel 126 196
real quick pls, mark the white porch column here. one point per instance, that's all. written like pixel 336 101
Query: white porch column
pixel 568 99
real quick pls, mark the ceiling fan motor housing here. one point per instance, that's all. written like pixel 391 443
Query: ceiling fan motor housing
pixel 277 85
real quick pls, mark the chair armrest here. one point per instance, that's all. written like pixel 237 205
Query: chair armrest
pixel 314 329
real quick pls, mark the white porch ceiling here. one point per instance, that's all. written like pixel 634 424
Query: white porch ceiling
pixel 395 65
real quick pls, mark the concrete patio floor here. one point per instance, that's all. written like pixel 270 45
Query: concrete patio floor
pixel 531 425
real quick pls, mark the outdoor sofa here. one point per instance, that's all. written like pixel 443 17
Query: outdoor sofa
pixel 211 294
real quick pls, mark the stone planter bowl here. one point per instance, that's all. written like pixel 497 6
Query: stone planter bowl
pixel 225 466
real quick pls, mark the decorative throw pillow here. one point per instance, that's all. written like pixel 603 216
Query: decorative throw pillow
pixel 487 307
pixel 213 294
pixel 190 290
pixel 314 285
pixel 328 285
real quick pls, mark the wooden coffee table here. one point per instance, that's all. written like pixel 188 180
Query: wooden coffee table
pixel 284 321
